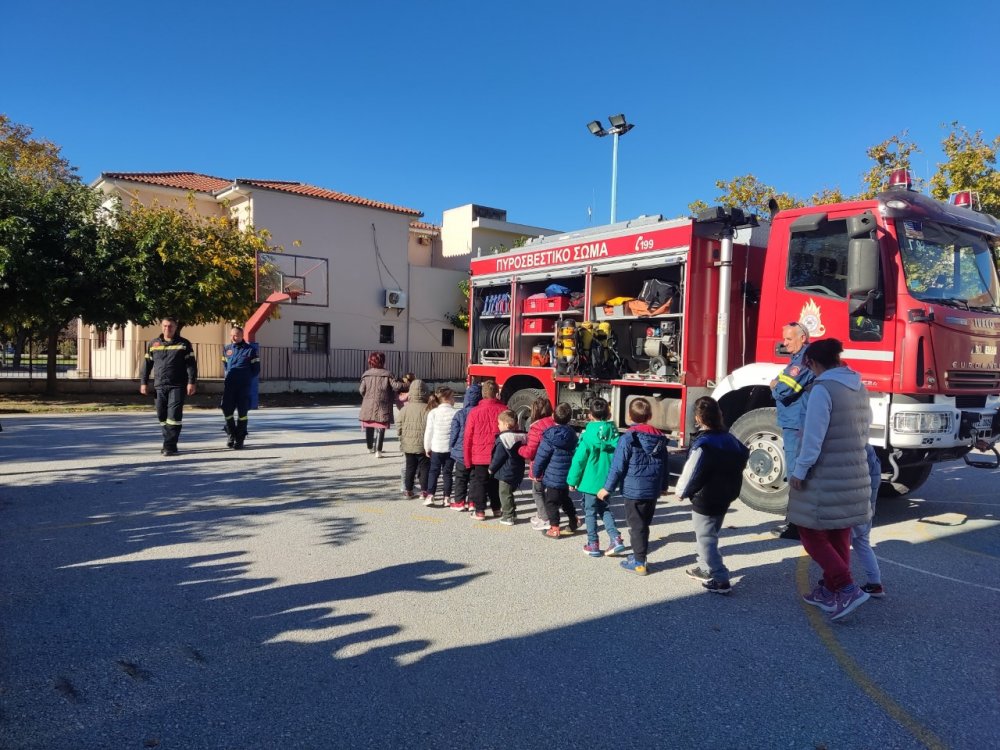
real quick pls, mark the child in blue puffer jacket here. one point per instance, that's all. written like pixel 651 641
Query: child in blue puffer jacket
pixel 551 466
pixel 639 467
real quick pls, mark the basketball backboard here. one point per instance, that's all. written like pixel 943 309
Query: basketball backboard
pixel 305 279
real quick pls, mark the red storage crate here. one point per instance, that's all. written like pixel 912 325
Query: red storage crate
pixel 545 304
pixel 538 325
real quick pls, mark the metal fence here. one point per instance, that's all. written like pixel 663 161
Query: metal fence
pixel 114 358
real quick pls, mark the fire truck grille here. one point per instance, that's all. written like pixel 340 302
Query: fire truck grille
pixel 973 379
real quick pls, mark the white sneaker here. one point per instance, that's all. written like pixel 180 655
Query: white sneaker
pixel 379 454
pixel 428 501
pixel 371 450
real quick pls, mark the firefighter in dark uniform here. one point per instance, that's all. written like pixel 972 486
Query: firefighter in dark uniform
pixel 789 392
pixel 171 361
pixel 241 362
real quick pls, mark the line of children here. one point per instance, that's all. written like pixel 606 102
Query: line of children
pixel 489 454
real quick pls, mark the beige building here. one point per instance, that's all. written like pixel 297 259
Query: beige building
pixel 375 251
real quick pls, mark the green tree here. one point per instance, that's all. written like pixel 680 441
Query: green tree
pixel 176 262
pixel 970 165
pixel 891 154
pixel 748 193
pixel 51 260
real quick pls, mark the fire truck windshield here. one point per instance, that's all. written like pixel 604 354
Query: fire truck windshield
pixel 949 266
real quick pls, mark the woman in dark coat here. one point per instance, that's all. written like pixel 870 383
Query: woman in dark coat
pixel 378 391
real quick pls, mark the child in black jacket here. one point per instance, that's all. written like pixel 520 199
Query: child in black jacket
pixel 507 464
pixel 711 479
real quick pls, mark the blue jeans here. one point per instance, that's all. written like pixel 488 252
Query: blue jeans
pixel 592 508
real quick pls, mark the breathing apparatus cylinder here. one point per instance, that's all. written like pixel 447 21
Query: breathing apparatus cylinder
pixel 566 344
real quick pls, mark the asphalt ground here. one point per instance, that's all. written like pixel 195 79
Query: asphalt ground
pixel 286 597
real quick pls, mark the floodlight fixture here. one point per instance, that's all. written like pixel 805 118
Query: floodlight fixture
pixel 597 129
pixel 619 127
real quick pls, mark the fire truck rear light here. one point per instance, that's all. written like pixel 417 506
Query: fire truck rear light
pixel 900 180
pixel 922 423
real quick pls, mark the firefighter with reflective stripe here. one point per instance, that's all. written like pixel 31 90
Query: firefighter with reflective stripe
pixel 170 360
pixel 790 397
pixel 241 361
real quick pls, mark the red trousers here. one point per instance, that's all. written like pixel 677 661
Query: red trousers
pixel 831 549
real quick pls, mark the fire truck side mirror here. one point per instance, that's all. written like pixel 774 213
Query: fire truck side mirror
pixel 860 226
pixel 862 267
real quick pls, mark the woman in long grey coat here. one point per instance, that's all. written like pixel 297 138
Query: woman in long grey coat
pixel 378 391
pixel 830 484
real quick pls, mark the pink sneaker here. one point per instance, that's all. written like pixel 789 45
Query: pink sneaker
pixel 460 507
pixel 848 602
pixel 821 597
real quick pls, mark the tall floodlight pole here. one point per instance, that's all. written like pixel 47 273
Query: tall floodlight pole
pixel 619 127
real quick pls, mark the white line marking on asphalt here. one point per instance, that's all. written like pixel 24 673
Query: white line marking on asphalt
pixel 938 575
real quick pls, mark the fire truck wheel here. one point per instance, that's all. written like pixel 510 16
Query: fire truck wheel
pixel 765 487
pixel 520 404
pixel 910 477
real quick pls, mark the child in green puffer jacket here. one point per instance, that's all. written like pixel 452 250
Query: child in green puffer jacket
pixel 588 472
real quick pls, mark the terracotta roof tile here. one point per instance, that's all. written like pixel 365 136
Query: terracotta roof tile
pixel 425 226
pixel 201 183
pixel 298 188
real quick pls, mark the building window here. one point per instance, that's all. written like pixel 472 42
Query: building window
pixel 387 334
pixel 311 337
pixel 447 337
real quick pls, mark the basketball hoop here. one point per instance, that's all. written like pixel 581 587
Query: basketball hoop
pixel 294 294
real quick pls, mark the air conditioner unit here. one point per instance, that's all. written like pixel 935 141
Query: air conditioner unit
pixel 395 299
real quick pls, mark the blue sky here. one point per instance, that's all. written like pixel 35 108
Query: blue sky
pixel 435 104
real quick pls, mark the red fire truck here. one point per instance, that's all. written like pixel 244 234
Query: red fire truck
pixel 908 284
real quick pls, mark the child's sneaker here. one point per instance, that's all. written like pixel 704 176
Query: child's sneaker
pixel 446 502
pixel 821 597
pixel 698 574
pixel 847 602
pixel 458 506
pixel 496 513
pixel 553 532
pixel 616 547
pixel 874 590
pixel 636 566
pixel 717 587
pixel 538 524
pixel 428 500
pixel 593 549
pixel 407 495
pixel 507 521
pixel 379 454
pixel 478 516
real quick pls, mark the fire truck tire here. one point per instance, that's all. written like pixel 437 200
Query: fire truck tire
pixel 765 486
pixel 910 478
pixel 520 404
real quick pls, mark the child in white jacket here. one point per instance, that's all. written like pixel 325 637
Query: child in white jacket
pixel 436 436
